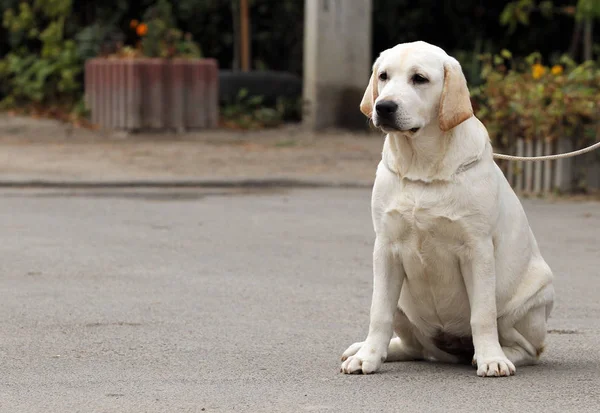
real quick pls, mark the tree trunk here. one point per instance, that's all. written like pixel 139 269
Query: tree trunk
pixel 235 13
pixel 244 36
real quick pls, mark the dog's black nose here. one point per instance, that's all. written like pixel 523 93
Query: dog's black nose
pixel 386 108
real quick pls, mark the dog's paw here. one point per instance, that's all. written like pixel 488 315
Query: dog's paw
pixel 352 350
pixel 494 366
pixel 363 362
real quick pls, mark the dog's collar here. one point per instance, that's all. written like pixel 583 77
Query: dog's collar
pixel 462 168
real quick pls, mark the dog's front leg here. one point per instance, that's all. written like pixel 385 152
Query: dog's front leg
pixel 388 276
pixel 479 273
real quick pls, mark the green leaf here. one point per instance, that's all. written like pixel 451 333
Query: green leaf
pixel 546 8
pixel 506 17
pixel 255 100
pixel 242 93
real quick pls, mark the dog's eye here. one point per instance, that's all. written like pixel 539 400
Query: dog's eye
pixel 383 76
pixel 419 79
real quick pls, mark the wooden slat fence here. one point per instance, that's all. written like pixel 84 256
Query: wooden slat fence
pixel 539 177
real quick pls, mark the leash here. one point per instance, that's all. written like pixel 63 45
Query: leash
pixel 472 163
pixel 547 157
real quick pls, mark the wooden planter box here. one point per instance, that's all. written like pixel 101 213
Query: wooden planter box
pixel 152 94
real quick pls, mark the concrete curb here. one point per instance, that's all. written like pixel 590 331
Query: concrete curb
pixel 187 183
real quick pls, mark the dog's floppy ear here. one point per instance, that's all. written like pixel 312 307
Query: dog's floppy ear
pixel 368 100
pixel 455 103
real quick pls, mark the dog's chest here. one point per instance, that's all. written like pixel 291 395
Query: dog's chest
pixel 416 219
pixel 428 233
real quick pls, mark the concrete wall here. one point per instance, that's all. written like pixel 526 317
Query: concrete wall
pixel 337 62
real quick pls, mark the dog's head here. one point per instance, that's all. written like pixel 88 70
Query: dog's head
pixel 415 85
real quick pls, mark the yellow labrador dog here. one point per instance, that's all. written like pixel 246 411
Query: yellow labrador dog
pixel 458 275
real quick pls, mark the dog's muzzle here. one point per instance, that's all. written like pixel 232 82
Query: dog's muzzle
pixel 387 119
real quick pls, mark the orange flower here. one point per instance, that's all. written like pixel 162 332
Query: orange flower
pixel 141 29
pixel 537 71
pixel 556 70
pixel 134 23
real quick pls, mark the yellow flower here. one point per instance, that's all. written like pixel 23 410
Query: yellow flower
pixel 134 23
pixel 537 71
pixel 141 29
pixel 556 70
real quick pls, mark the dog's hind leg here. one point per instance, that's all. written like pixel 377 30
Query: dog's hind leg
pixel 523 343
pixel 405 347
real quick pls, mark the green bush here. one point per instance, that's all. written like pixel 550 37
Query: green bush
pixel 248 112
pixel 47 74
pixel 161 38
pixel 526 99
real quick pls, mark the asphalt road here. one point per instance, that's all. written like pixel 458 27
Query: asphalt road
pixel 193 301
